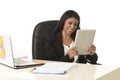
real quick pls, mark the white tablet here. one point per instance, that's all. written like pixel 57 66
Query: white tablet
pixel 83 39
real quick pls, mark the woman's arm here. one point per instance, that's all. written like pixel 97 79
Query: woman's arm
pixel 88 58
pixel 92 58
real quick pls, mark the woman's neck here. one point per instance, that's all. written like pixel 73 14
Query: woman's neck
pixel 67 40
pixel 65 35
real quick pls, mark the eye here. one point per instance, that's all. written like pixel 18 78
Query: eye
pixel 70 23
pixel 75 25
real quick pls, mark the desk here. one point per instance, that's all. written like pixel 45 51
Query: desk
pixel 80 72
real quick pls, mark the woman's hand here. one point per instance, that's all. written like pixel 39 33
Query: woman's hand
pixel 72 52
pixel 91 49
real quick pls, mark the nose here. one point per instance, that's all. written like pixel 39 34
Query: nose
pixel 73 27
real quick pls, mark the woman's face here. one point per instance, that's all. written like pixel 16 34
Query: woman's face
pixel 70 25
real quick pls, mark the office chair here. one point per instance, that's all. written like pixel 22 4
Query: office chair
pixel 39 34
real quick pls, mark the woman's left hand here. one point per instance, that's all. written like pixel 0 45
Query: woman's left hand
pixel 91 49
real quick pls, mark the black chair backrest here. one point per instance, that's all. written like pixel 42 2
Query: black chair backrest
pixel 41 31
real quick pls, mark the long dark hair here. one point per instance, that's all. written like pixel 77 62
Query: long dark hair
pixel 65 16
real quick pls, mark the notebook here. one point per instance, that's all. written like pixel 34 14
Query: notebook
pixel 83 39
pixel 58 68
pixel 7 55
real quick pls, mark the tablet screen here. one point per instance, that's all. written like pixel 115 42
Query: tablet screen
pixel 83 39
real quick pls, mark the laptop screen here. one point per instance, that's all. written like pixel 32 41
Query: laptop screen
pixel 6 56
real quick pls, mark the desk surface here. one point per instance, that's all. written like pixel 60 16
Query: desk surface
pixel 81 72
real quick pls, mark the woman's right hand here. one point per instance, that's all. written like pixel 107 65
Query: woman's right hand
pixel 72 52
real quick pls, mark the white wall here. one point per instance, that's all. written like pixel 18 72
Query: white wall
pixel 19 17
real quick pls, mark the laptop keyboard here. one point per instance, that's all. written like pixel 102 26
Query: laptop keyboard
pixel 22 62
pixel 19 61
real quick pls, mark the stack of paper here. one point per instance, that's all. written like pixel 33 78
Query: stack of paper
pixel 54 68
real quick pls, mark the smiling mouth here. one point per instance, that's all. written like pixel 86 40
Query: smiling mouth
pixel 71 30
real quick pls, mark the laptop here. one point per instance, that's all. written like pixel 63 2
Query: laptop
pixel 83 39
pixel 7 56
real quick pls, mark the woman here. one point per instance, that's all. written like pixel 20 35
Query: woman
pixel 61 45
